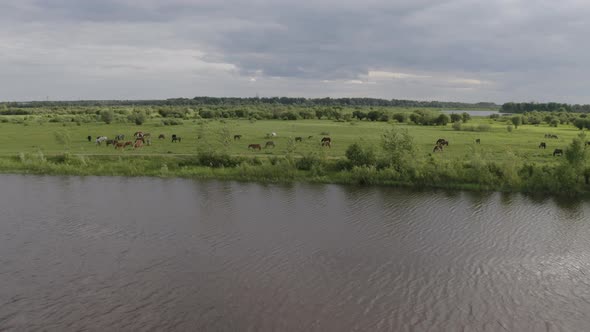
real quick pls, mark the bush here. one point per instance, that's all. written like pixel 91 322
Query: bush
pixel 456 117
pixel 106 116
pixel 360 156
pixel 307 162
pixel 457 125
pixel 400 117
pixel 137 117
pixel 509 128
pixel 172 122
pixel 554 123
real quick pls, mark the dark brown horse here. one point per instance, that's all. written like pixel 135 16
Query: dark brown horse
pixel 543 145
pixel 477 141
pixel 161 136
pixel 269 143
pixel 557 152
pixel 437 147
pixel 326 139
pixel 89 138
pixel 176 138
pixel 327 143
pixel 298 139
pixel 255 146
pixel 442 141
pixel 237 137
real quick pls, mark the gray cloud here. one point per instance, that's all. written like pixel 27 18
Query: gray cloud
pixel 497 50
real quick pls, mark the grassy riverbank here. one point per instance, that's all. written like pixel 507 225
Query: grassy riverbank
pixel 507 159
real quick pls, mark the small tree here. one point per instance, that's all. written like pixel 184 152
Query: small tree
pixel 107 116
pixel 360 156
pixel 580 123
pixel 442 119
pixel 466 117
pixel 509 128
pixel 554 123
pixel 397 145
pixel 516 121
pixel 138 117
pixel 456 117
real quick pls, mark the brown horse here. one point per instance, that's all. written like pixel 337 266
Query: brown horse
pixel 128 143
pixel 442 141
pixel 543 145
pixel 138 144
pixel 326 139
pixel 119 145
pixel 255 146
pixel 161 136
pixel 437 148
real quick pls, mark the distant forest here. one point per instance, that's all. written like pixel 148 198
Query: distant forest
pixel 543 107
pixel 343 102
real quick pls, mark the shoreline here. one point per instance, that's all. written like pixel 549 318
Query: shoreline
pixel 171 166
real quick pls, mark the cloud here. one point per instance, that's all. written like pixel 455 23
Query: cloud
pixel 467 50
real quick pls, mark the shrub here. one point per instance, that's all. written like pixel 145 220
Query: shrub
pixel 307 162
pixel 400 117
pixel 509 128
pixel 106 116
pixel 457 125
pixel 359 155
pixel 137 117
pixel 456 117
pixel 172 122
pixel 554 123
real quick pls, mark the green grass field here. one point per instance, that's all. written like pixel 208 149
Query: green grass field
pixel 496 144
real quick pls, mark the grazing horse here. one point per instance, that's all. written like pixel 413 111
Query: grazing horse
pixel 111 141
pixel 138 144
pixel 120 137
pixel 298 139
pixel 557 152
pixel 326 139
pixel 176 138
pixel 128 143
pixel 554 136
pixel 89 138
pixel 138 134
pixel 161 136
pixel 437 147
pixel 237 137
pixel 327 143
pixel 269 143
pixel 478 141
pixel 100 139
pixel 442 141
pixel 310 137
pixel 119 145
pixel 542 145
pixel 254 147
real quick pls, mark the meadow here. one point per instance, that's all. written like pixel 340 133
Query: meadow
pixel 507 158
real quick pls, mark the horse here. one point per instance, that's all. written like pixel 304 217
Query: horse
pixel 176 138
pixel 120 145
pixel 100 139
pixel 298 139
pixel 309 137
pixel 89 138
pixel 269 143
pixel 588 143
pixel 138 134
pixel 442 141
pixel 161 136
pixel 128 143
pixel 326 139
pixel 120 137
pixel 557 152
pixel 542 145
pixel 111 141
pixel 437 148
pixel 138 144
pixel 254 147
pixel 237 137
pixel 554 136
pixel 478 141
pixel 327 143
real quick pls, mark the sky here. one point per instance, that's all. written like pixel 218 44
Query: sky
pixel 447 50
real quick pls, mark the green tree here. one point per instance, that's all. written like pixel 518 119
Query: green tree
pixel 516 120
pixel 398 146
pixel 107 116
pixel 466 117
pixel 360 156
pixel 580 123
pixel 456 117
pixel 442 119
pixel 138 117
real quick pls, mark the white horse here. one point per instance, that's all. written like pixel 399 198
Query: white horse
pixel 273 134
pixel 100 139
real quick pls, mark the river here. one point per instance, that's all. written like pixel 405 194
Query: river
pixel 113 253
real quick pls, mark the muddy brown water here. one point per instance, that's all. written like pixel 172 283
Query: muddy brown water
pixel 141 254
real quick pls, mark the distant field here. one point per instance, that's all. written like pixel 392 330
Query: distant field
pixel 496 144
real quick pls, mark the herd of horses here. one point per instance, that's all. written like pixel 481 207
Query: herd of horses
pixel 140 138
pixel 441 143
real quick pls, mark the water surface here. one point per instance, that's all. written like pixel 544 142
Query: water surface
pixel 106 254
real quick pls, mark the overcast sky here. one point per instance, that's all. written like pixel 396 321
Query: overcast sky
pixel 452 50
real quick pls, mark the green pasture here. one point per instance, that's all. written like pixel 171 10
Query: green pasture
pixel 496 144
